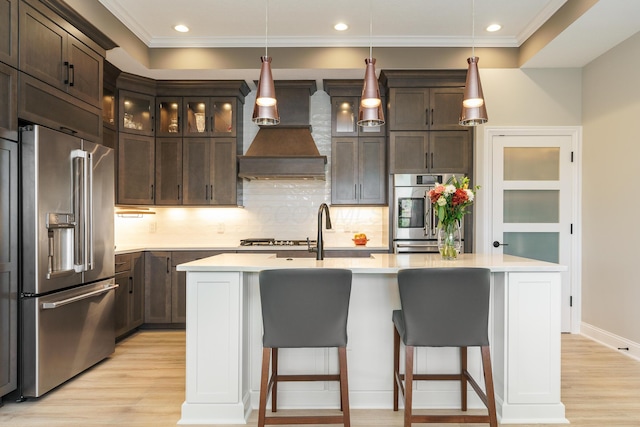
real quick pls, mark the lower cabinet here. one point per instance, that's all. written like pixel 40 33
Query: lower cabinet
pixel 165 286
pixel 129 303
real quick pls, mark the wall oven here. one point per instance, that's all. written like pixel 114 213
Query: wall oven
pixel 414 222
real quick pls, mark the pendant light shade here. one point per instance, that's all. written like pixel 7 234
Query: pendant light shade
pixel 370 110
pixel 474 111
pixel 265 109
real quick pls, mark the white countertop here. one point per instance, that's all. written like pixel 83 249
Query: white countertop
pixel 124 249
pixel 376 264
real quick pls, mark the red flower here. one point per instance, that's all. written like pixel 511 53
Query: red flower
pixel 459 197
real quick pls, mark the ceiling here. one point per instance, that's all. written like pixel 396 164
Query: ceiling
pixel 242 24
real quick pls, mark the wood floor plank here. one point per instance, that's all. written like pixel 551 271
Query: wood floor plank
pixel 142 385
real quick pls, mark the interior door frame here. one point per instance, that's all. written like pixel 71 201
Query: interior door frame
pixel 484 203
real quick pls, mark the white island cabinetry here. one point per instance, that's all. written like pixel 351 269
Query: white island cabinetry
pixel 224 339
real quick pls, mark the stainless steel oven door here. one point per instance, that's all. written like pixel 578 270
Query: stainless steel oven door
pixel 415 246
pixel 412 214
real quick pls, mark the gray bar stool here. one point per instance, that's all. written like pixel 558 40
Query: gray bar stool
pixel 303 308
pixel 443 307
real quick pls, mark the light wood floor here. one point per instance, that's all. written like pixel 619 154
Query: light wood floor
pixel 142 385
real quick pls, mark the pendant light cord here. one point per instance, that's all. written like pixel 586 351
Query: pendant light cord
pixel 370 28
pixel 473 28
pixel 266 28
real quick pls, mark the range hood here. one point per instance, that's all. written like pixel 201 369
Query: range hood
pixel 287 150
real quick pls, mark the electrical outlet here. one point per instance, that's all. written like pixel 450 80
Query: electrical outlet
pixel 152 227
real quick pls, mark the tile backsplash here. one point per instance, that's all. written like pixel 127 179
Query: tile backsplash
pixel 283 209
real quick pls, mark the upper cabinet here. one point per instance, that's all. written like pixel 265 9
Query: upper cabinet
pixel 344 118
pixel 136 113
pixel 9 32
pixel 8 96
pixel 51 54
pixel 425 108
pixel 209 116
pixel 358 154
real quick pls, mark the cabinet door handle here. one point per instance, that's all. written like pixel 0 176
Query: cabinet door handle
pixel 178 191
pixel 360 191
pixel 206 192
pixel 426 119
pixel 152 192
pixel 432 117
pixel 426 160
pixel 130 284
pixel 210 125
pixel 355 191
pixel 168 265
pixel 431 160
pixel 66 66
pixel 72 75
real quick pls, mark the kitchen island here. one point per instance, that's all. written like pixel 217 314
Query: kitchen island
pixel 224 339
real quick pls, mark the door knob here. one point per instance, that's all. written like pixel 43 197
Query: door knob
pixel 498 244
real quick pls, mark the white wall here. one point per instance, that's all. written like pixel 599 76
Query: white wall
pixel 611 153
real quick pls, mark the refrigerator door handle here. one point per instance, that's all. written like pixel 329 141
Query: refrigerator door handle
pixel 83 209
pixel 56 304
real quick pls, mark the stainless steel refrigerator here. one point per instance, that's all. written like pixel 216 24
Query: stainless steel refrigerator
pixel 67 282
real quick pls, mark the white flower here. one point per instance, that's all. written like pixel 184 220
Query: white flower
pixel 441 201
pixel 469 194
pixel 449 189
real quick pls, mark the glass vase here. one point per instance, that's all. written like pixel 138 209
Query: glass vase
pixel 449 240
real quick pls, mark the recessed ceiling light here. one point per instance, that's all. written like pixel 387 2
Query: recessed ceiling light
pixel 494 27
pixel 181 28
pixel 341 26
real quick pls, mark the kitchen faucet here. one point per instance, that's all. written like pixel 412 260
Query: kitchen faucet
pixel 319 249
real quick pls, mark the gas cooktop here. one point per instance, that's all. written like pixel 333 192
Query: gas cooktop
pixel 275 242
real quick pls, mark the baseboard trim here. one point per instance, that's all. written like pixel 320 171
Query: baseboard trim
pixel 620 344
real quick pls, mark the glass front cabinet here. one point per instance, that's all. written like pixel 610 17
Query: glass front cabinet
pixel 208 116
pixel 136 113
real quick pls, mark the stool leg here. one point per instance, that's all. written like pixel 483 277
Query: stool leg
pixel 463 378
pixel 396 367
pixel 408 384
pixel 264 386
pixel 488 381
pixel 274 373
pixel 344 386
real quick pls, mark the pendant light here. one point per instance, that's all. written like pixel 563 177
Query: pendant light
pixel 265 109
pixel 370 109
pixel 474 110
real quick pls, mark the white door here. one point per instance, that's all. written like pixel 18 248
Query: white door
pixel 532 193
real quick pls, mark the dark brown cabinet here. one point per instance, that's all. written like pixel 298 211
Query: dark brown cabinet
pixel 9 32
pixel 50 54
pixel 210 171
pixel 210 116
pixel 129 299
pixel 136 113
pixel 8 265
pixel 168 185
pixel 430 152
pixel 136 169
pixel 157 285
pixel 169 116
pixel 165 286
pixel 344 118
pixel 358 171
pixel 8 97
pixel 358 154
pixel 425 108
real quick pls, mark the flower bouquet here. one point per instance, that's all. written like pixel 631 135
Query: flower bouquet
pixel 450 202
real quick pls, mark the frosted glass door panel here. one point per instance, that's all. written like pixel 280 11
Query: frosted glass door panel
pixel 540 246
pixel 531 163
pixel 531 206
